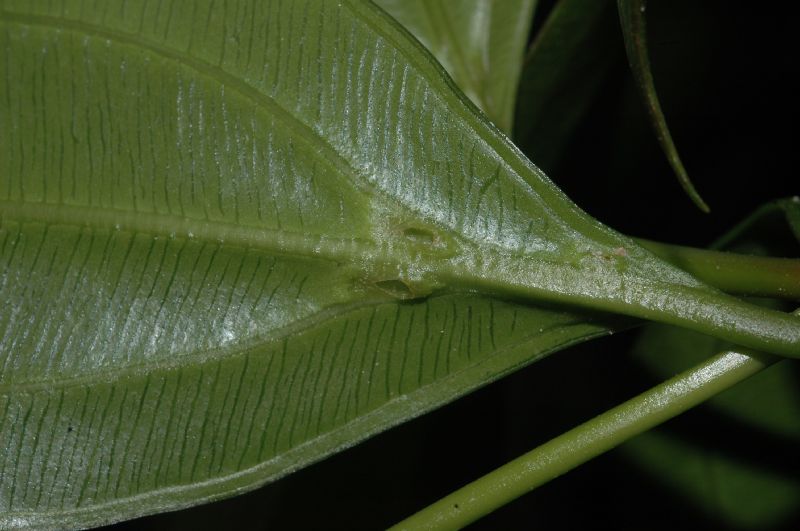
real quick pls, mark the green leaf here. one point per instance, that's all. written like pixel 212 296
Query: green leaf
pixel 563 71
pixel 632 18
pixel 742 495
pixel 791 209
pixel 729 485
pixel 237 237
pixel 480 43
pixel 94 446
pixel 772 229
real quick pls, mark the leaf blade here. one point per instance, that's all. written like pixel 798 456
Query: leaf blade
pixel 632 19
pixel 564 69
pixel 403 180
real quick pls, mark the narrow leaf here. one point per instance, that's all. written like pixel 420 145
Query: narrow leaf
pixel 632 18
pixel 480 43
pixel 772 229
pixel 731 493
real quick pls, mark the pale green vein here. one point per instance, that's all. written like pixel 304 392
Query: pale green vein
pixel 170 226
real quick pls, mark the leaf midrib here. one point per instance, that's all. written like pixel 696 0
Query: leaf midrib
pixel 283 242
pixel 297 129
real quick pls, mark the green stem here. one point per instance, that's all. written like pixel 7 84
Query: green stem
pixel 587 441
pixel 739 274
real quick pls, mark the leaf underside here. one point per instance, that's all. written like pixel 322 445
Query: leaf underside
pixel 238 236
pixel 170 333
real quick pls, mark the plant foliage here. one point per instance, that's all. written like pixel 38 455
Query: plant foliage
pixel 236 237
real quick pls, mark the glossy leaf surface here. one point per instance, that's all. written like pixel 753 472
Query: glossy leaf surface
pixel 237 237
pixel 230 336
pixel 481 44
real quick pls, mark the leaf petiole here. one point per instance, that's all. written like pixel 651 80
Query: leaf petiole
pixel 738 274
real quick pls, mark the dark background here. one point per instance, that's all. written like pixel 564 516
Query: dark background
pixel 723 72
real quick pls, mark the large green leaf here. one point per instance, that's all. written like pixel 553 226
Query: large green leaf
pixel 480 43
pixel 239 236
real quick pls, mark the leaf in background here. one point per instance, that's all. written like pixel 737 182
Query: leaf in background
pixel 236 238
pixel 563 71
pixel 735 493
pixel 632 19
pixel 773 229
pixel 791 209
pixel 728 482
pixel 480 43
